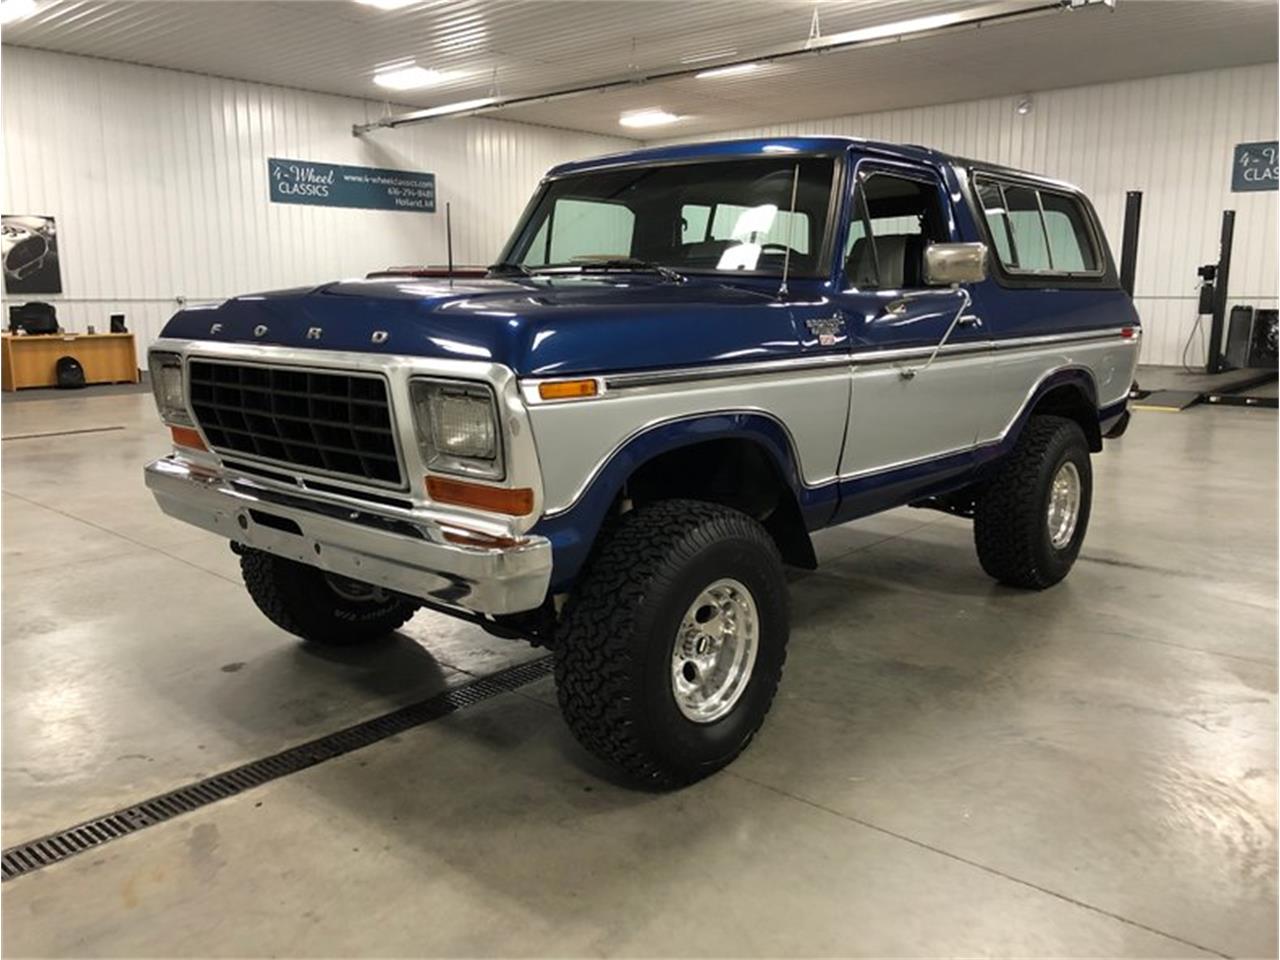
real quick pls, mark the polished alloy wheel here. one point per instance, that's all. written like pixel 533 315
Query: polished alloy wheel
pixel 1064 505
pixel 715 651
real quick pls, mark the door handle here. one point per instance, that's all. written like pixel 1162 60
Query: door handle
pixel 898 307
pixel 908 373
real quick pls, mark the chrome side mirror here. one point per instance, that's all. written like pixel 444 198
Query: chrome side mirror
pixel 948 263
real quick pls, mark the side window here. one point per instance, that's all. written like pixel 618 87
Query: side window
pixel 1070 240
pixel 904 215
pixel 578 228
pixel 1029 239
pixel 993 209
pixel 1037 231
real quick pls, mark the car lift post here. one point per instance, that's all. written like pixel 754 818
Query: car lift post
pixel 1129 250
pixel 1129 241
pixel 1213 359
pixel 1231 390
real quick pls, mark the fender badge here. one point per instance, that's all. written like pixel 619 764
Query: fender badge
pixel 827 329
pixel 313 333
pixel 379 336
pixel 260 330
pixel 215 328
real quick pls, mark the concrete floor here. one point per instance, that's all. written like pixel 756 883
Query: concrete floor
pixel 950 768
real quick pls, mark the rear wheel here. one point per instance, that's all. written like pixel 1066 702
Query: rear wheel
pixel 672 646
pixel 1031 519
pixel 318 606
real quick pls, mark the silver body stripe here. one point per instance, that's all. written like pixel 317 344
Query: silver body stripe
pixel 857 402
pixel 616 381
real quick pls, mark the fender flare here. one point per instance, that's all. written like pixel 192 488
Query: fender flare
pixel 572 531
pixel 1072 376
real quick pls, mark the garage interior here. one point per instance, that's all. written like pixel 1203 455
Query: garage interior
pixel 951 767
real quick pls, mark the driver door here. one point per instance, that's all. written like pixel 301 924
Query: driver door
pixel 906 410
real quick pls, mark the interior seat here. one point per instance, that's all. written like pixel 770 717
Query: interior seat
pixel 901 260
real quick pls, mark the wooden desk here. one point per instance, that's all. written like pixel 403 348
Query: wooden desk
pixel 32 360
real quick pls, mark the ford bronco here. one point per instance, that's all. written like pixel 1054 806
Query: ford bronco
pixel 685 360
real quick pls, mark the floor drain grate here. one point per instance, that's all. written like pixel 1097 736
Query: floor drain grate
pixel 36 854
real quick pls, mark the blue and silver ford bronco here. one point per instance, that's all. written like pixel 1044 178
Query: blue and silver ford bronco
pixel 685 360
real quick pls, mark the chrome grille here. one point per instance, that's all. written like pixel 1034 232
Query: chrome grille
pixel 324 421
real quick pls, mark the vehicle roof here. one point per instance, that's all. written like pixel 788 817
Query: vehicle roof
pixel 804 146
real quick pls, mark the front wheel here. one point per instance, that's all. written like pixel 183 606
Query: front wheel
pixel 321 607
pixel 1031 519
pixel 671 647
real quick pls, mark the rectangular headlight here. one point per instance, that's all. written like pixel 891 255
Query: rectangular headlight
pixel 457 426
pixel 166 384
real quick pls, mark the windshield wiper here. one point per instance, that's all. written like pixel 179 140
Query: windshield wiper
pixel 624 263
pixel 509 266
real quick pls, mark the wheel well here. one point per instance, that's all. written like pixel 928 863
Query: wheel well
pixel 737 473
pixel 1070 400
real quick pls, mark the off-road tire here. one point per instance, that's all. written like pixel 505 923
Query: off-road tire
pixel 1009 523
pixel 617 634
pixel 299 599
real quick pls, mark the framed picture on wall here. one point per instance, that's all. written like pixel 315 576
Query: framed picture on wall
pixel 30 250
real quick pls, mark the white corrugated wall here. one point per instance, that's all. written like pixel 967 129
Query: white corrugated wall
pixel 1170 137
pixel 158 181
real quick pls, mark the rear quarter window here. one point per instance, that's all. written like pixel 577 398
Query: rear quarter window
pixel 1070 239
pixel 1036 230
pixel 1030 242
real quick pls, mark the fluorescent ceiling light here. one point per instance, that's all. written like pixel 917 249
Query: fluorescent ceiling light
pixel 896 29
pixel 722 54
pixel 386 4
pixel 408 77
pixel 648 118
pixel 737 70
pixel 462 106
pixel 13 10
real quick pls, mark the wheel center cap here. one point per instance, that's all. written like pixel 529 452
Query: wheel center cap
pixel 715 651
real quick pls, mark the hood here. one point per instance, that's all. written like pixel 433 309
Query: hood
pixel 539 326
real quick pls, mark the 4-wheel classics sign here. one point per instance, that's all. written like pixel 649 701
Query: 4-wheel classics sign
pixel 1255 166
pixel 340 185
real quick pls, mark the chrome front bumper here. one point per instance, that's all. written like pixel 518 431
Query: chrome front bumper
pixel 391 549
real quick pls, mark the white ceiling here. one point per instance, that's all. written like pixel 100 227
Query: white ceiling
pixel 525 47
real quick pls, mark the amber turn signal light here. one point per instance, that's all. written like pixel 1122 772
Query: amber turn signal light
pixel 186 437
pixel 514 502
pixel 568 389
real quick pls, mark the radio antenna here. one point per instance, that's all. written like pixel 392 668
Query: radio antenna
pixel 791 227
pixel 448 235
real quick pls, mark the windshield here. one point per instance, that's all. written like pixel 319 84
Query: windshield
pixel 727 216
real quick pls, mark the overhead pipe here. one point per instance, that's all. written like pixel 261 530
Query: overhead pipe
pixel 999 12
